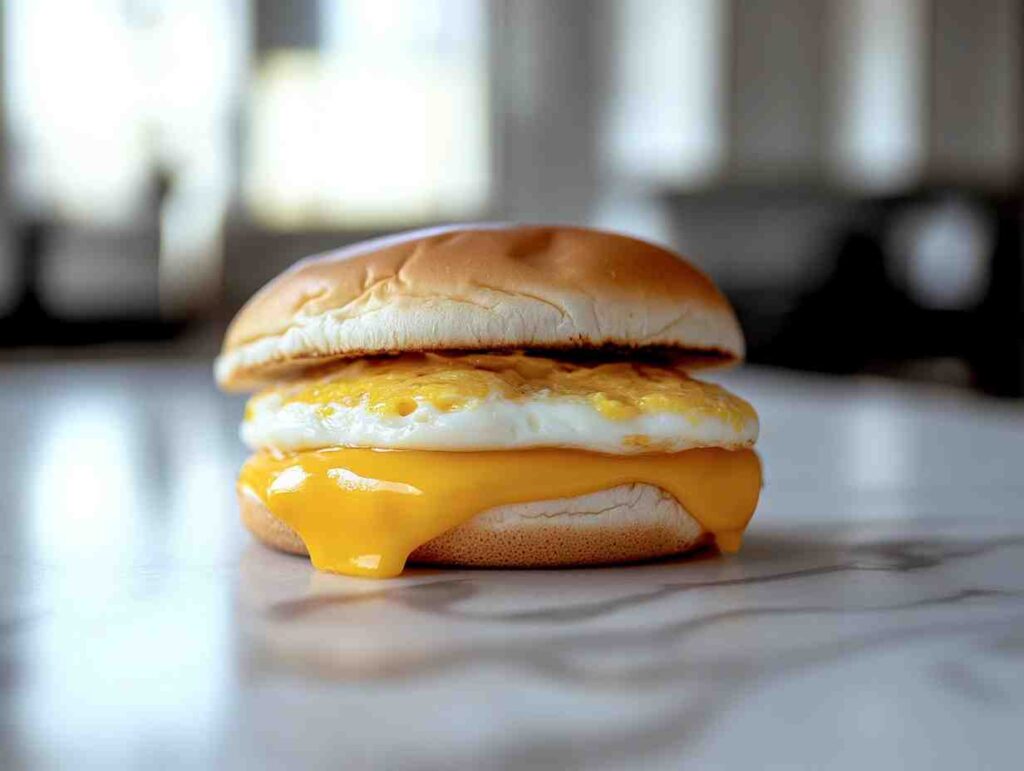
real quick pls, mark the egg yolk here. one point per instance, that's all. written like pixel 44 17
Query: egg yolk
pixel 363 512
pixel 396 387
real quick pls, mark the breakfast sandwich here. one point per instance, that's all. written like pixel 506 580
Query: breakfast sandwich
pixel 491 395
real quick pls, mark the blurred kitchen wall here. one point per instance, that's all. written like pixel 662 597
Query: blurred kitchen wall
pixel 849 170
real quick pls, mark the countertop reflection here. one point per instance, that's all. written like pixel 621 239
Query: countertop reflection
pixel 875 617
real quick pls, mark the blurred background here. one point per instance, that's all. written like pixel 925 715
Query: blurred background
pixel 850 171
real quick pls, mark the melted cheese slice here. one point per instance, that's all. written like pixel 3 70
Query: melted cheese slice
pixel 362 512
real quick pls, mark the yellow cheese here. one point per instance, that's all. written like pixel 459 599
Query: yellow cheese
pixel 362 512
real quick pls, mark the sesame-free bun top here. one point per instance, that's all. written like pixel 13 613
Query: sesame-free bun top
pixel 479 287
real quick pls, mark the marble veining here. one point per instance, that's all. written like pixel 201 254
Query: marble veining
pixel 874 619
pixel 895 556
pixel 711 641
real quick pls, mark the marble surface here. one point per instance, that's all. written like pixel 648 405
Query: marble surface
pixel 875 618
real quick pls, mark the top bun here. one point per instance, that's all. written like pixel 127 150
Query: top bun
pixel 479 287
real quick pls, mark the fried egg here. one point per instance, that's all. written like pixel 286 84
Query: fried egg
pixel 498 402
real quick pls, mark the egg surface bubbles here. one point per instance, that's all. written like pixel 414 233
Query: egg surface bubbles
pixel 491 402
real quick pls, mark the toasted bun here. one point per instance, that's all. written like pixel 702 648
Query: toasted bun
pixel 623 524
pixel 479 287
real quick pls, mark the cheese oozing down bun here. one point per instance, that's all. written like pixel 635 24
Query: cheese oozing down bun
pixel 492 395
pixel 627 523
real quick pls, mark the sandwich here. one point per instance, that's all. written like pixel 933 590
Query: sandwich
pixel 491 395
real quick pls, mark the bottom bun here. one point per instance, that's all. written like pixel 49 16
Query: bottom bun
pixel 623 524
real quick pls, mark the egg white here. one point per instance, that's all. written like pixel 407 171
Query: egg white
pixel 494 424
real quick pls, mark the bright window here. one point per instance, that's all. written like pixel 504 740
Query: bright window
pixel 386 123
pixel 101 93
pixel 665 117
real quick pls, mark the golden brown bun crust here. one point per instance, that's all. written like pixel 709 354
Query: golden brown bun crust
pixel 625 524
pixel 480 287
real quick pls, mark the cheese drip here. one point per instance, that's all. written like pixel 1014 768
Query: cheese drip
pixel 363 512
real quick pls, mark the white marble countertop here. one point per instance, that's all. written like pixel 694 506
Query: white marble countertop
pixel 875 618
